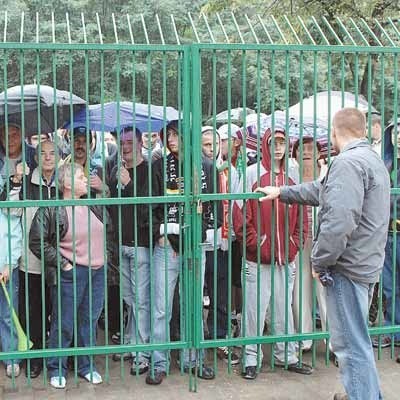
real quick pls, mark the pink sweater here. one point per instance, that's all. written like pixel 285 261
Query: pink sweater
pixel 82 238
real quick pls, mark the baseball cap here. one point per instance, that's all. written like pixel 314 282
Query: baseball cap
pixel 224 129
pixel 277 134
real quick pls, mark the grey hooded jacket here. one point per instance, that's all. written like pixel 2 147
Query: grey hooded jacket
pixel 353 217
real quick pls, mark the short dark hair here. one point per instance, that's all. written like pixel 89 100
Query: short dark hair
pixel 306 139
pixel 138 132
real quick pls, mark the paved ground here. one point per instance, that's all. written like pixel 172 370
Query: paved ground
pixel 270 385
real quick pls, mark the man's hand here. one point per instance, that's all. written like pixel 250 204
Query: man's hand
pixel 21 169
pixel 315 274
pixel 124 176
pixel 67 267
pixel 5 274
pixel 96 183
pixel 271 192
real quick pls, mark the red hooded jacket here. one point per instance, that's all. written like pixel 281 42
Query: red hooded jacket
pixel 264 239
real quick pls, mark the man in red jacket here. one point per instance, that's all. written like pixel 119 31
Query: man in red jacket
pixel 271 246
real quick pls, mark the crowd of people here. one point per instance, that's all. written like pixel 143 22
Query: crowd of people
pixel 260 253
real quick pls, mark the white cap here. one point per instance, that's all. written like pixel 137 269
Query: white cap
pixel 224 129
pixel 206 128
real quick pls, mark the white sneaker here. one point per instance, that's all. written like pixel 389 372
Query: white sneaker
pixel 96 378
pixel 58 382
pixel 12 370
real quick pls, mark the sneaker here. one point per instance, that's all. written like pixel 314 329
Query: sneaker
pixel 125 356
pixel 386 341
pixel 58 382
pixel 250 373
pixel 156 379
pixel 140 368
pixel 93 377
pixel 116 338
pixel 223 354
pixel 12 370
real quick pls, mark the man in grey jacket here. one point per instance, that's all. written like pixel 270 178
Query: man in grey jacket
pixel 348 248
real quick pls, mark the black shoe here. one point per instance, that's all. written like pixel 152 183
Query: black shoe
pixel 250 373
pixel 35 370
pixel 333 358
pixel 203 372
pixel 156 379
pixel 302 368
pixel 340 396
pixel 141 368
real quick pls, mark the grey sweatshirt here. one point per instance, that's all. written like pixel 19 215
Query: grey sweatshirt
pixel 353 217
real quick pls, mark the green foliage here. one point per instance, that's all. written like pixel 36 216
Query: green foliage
pixel 271 80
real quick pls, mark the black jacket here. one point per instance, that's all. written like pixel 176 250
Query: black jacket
pixel 45 221
pixel 175 185
pixel 132 214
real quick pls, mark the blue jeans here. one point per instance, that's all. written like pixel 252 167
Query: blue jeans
pixel 8 336
pixel 219 300
pixel 387 281
pixel 86 318
pixel 135 269
pixel 347 310
pixel 165 278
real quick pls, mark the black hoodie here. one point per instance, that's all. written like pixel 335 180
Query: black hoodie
pixel 173 180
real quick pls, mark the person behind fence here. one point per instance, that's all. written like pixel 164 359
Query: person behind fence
pixel 309 158
pixel 151 148
pixel 75 271
pixel 11 245
pixel 272 170
pixel 92 166
pixel 39 184
pixel 168 237
pixel 231 152
pixel 376 133
pixel 390 281
pixel 131 180
pixel 349 247
pixel 219 300
pixel 10 157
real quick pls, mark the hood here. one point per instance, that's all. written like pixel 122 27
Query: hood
pixel 208 128
pixel 266 156
pixel 388 150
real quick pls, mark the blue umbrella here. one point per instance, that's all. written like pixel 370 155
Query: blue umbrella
pixel 147 118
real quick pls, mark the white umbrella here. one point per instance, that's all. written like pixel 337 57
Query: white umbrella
pixel 327 104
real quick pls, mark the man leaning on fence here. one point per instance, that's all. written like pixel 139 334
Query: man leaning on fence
pixel 131 180
pixel 169 246
pixel 247 217
pixel 348 250
pixel 75 271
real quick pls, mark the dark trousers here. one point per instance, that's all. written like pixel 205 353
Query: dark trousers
pixel 32 314
pixel 218 294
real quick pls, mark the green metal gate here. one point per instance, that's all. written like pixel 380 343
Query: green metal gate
pixel 202 68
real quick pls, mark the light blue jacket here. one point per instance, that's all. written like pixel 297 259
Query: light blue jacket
pixel 10 234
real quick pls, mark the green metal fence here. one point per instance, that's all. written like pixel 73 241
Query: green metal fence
pixel 201 68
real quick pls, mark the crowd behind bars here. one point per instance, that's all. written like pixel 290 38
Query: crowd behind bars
pixel 80 253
